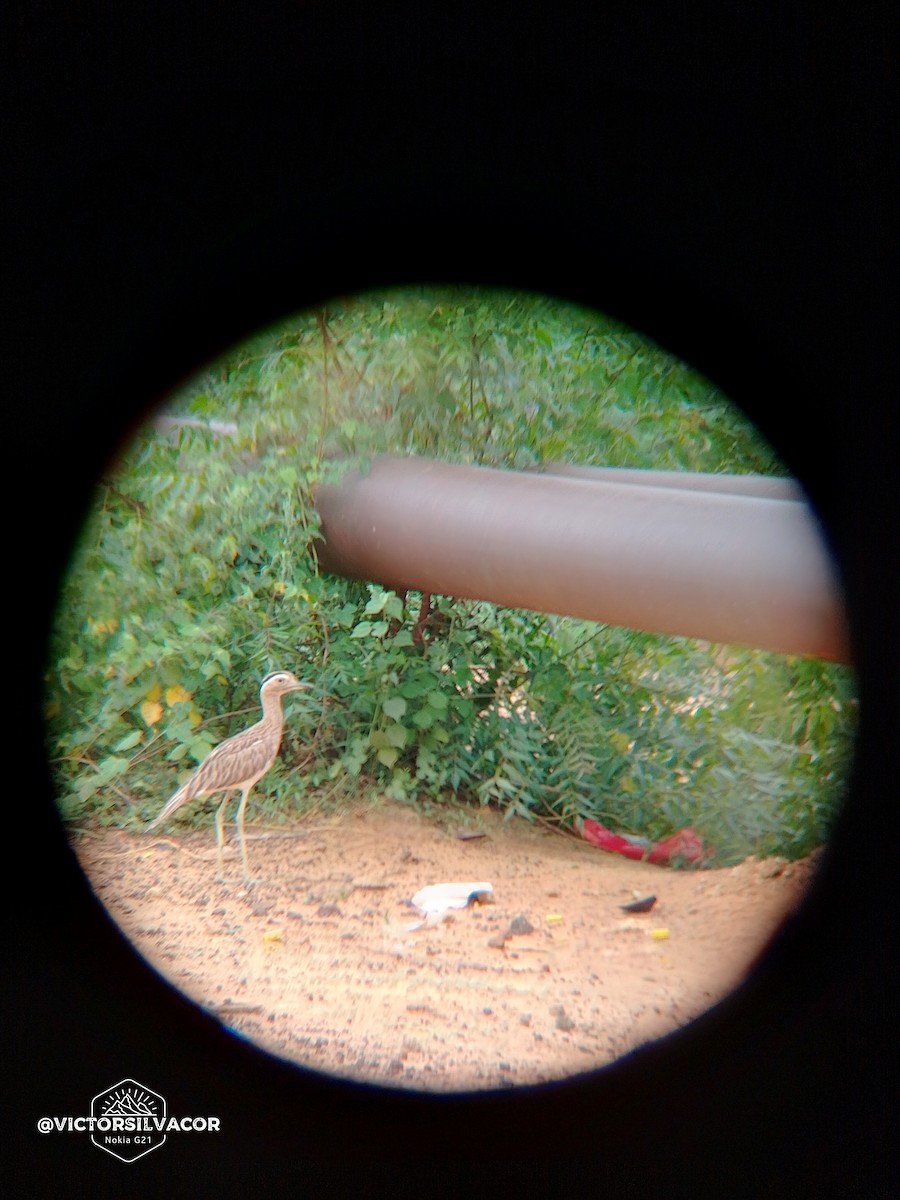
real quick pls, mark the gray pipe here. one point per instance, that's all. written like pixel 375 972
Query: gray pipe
pixel 721 566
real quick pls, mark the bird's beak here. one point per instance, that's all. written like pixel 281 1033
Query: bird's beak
pixel 300 687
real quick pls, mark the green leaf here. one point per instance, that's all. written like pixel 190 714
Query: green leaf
pixel 199 748
pixel 425 717
pixel 394 707
pixel 394 608
pixel 396 735
pixel 130 740
pixel 345 615
pixel 413 688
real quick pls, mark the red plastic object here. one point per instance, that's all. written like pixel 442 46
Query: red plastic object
pixel 686 844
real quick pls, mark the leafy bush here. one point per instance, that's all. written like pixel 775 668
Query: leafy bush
pixel 196 575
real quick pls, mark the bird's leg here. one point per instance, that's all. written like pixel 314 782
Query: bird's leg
pixel 220 837
pixel 245 792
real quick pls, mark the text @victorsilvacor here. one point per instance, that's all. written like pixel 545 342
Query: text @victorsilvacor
pixel 131 1124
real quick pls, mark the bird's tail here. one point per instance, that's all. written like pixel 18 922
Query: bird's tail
pixel 184 793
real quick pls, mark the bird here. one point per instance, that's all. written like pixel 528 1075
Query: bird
pixel 238 763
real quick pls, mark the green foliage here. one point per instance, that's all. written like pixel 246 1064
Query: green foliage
pixel 196 574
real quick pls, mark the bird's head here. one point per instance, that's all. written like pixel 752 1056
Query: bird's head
pixel 278 682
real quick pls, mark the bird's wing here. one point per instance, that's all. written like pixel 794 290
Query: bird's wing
pixel 238 761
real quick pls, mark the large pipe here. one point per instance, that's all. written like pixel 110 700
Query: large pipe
pixel 706 564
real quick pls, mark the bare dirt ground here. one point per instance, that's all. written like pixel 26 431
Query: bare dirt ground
pixel 317 962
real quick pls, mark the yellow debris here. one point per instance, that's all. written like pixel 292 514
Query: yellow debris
pixel 151 711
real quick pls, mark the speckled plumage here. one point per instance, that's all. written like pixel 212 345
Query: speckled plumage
pixel 239 762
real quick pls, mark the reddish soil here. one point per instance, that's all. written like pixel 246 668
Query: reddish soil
pixel 317 962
